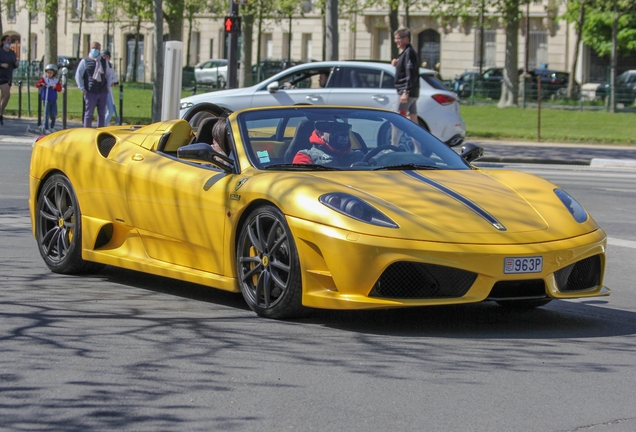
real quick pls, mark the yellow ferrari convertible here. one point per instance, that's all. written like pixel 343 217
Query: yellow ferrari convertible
pixel 310 207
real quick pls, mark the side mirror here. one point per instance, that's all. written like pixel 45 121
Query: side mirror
pixel 273 87
pixel 471 152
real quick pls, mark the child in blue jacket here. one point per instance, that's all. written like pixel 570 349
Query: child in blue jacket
pixel 50 86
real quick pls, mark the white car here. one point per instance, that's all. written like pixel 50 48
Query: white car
pixel 349 83
pixel 212 72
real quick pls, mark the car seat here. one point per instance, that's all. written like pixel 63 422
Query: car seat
pixel 204 133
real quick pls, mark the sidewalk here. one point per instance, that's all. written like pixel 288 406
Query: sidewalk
pixel 19 129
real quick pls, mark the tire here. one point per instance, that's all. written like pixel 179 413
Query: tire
pixel 268 267
pixel 523 304
pixel 58 228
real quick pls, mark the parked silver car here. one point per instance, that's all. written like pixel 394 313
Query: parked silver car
pixel 212 72
pixel 345 83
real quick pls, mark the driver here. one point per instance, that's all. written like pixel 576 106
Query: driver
pixel 330 145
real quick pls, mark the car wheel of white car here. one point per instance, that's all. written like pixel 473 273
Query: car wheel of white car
pixel 268 267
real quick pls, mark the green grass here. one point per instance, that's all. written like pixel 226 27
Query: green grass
pixel 482 121
pixel 137 102
pixel 557 125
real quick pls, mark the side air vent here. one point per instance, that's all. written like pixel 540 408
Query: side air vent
pixel 105 144
pixel 580 276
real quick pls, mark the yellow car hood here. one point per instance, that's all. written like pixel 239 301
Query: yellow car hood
pixel 465 206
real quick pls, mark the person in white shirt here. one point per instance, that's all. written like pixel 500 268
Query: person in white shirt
pixel 111 109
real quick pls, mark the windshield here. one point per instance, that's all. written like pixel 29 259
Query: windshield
pixel 316 138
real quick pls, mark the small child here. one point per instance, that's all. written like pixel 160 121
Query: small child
pixel 50 86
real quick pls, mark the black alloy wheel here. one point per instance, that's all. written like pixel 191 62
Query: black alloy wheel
pixel 268 267
pixel 59 228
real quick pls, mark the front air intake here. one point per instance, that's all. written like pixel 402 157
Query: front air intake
pixel 409 280
pixel 105 144
pixel 580 276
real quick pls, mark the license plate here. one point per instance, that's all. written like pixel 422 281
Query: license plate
pixel 523 264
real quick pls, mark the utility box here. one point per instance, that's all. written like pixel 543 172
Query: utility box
pixel 172 75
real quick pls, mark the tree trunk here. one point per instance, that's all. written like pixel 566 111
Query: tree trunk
pixel 189 43
pixel 331 17
pixel 289 38
pixel 393 27
pixel 245 72
pixel 614 59
pixel 175 20
pixel 510 88
pixel 157 84
pixel 79 31
pixel 50 32
pixel 579 33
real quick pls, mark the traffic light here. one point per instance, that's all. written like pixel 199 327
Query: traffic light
pixel 232 24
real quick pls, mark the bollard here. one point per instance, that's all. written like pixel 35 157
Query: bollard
pixel 194 89
pixel 121 104
pixel 20 99
pixel 64 99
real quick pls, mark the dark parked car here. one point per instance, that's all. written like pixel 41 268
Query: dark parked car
pixel 552 83
pixel 488 84
pixel 68 62
pixel 625 88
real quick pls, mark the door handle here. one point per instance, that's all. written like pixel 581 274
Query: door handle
pixel 379 98
pixel 313 98
pixel 137 157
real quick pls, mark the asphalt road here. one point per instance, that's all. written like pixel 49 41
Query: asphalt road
pixel 121 350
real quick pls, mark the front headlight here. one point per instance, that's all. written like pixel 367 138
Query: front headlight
pixel 357 209
pixel 185 105
pixel 576 210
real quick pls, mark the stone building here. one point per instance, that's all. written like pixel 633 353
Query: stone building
pixel 452 48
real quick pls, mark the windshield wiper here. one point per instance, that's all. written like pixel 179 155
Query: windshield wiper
pixel 413 166
pixel 303 167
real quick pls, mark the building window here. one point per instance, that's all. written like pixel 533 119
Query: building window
pixel 489 47
pixel 382 45
pixel 195 48
pixel 307 53
pixel 11 12
pixel 538 51
pixel 267 46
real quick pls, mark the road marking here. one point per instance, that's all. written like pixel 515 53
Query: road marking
pixel 620 242
pixel 17 140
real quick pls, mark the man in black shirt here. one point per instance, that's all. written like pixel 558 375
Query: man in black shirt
pixel 407 77
pixel 8 62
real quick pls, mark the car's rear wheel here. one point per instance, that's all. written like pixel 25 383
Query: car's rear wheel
pixel 59 228
pixel 268 267
pixel 523 304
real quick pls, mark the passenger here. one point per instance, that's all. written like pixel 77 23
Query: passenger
pixel 220 137
pixel 330 145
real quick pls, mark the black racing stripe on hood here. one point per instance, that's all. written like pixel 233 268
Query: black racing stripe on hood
pixel 451 193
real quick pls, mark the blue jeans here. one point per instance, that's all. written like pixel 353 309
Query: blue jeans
pixel 50 113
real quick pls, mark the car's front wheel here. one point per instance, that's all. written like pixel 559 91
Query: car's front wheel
pixel 268 266
pixel 58 228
